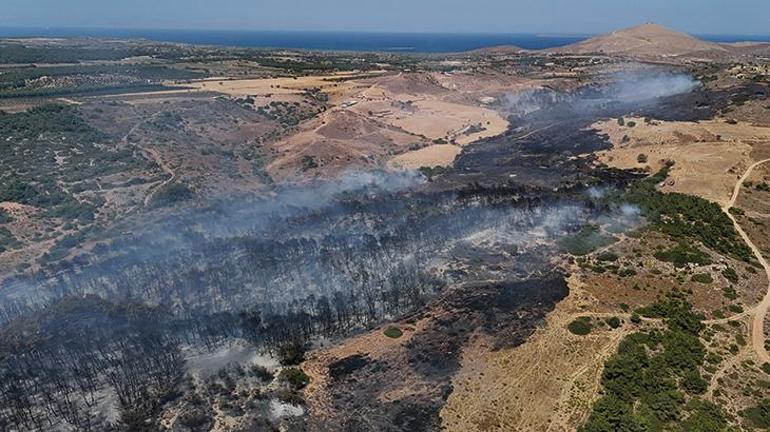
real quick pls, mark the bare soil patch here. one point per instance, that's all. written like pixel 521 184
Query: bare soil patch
pixel 710 155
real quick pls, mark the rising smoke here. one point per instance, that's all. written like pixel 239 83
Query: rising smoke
pixel 311 261
pixel 632 88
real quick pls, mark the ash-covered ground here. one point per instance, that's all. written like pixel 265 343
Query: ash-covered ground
pixel 102 342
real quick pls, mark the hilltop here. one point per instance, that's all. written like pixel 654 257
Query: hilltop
pixel 646 40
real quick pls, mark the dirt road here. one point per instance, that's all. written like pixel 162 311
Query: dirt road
pixel 151 154
pixel 760 311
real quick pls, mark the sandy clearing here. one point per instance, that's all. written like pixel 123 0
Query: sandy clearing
pixel 338 140
pixel 431 156
pixel 709 155
pixel 438 119
pixel 277 86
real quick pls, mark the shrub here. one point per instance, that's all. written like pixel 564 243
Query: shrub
pixel 581 326
pixel 641 158
pixel 607 257
pixel 613 322
pixel 682 254
pixel 262 373
pixel 5 217
pixel 588 239
pixel 431 172
pixel 759 415
pixel 693 382
pixel 730 274
pixel 644 382
pixel 291 354
pixel 765 368
pixel 294 377
pixel 308 162
pixel 704 416
pixel 393 332
pixel 195 418
pixel 684 216
pixel 172 194
pixel 730 293
pixel 703 278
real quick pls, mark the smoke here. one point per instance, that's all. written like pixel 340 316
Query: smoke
pixel 530 100
pixel 628 89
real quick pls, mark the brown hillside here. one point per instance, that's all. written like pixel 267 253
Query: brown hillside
pixel 644 41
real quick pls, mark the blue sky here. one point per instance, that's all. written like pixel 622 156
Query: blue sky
pixel 493 16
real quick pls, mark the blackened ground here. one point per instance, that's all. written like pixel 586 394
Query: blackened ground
pixel 362 388
pixel 541 154
pixel 405 389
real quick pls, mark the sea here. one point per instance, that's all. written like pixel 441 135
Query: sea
pixel 336 41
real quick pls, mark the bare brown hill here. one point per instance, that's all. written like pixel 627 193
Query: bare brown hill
pixel 648 40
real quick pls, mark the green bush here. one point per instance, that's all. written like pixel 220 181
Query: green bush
pixel 585 241
pixel 683 254
pixel 765 368
pixel 703 278
pixel 581 326
pixel 730 293
pixel 291 354
pixel 759 415
pixel 645 382
pixel 704 417
pixel 613 322
pixel 687 217
pixel 294 377
pixel 431 172
pixel 693 382
pixel 393 332
pixel 607 257
pixel 730 274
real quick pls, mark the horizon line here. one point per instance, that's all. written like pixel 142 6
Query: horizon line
pixel 327 31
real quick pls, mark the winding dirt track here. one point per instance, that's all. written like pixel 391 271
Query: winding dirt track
pixel 760 311
pixel 151 154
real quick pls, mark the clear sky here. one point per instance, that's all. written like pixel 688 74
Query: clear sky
pixel 745 17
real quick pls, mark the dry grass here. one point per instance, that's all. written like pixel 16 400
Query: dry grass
pixel 277 86
pixel 431 156
pixel 545 384
pixel 710 156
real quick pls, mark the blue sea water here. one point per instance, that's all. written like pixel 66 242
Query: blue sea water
pixel 342 41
